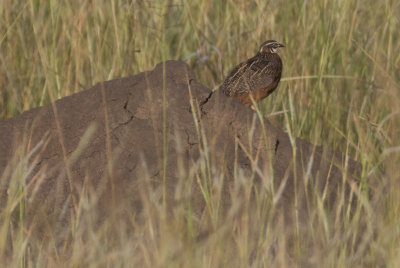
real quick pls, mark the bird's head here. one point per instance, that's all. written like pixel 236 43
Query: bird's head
pixel 270 46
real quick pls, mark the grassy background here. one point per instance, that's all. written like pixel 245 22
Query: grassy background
pixel 341 78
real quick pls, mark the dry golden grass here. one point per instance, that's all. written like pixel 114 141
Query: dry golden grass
pixel 340 89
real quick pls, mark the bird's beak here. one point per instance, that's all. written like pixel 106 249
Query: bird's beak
pixel 280 45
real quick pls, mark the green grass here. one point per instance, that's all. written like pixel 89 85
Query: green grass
pixel 340 89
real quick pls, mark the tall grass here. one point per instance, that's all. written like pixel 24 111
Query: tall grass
pixel 340 89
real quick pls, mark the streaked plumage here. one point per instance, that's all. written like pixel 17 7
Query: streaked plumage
pixel 257 77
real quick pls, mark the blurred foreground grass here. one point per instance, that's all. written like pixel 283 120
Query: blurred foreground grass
pixel 340 86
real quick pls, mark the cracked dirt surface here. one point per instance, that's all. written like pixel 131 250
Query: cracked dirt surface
pixel 133 122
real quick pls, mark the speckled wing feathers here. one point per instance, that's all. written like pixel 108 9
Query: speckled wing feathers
pixel 261 74
pixel 235 81
pixel 254 74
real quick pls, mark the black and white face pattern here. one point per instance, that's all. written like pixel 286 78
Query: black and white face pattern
pixel 270 46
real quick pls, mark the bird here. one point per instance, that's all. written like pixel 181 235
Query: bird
pixel 256 78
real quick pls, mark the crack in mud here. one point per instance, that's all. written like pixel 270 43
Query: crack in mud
pixel 204 102
pixel 276 146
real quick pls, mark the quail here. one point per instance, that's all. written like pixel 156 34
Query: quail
pixel 256 77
